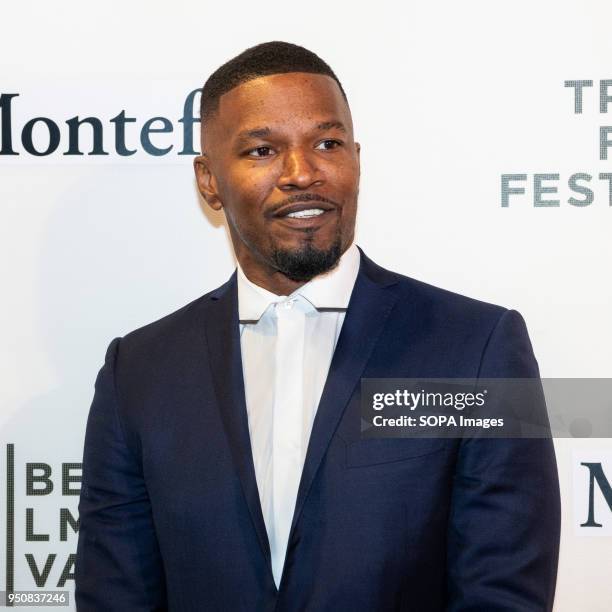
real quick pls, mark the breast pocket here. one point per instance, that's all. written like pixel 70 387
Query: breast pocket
pixel 361 453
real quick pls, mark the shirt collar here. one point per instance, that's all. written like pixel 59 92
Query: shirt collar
pixel 329 290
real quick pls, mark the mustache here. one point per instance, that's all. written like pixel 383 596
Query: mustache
pixel 301 197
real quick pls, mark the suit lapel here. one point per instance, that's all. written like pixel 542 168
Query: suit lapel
pixel 223 340
pixel 367 313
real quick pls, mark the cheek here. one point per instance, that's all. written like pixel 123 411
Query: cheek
pixel 244 197
pixel 248 186
pixel 345 174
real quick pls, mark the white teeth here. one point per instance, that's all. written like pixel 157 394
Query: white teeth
pixel 311 212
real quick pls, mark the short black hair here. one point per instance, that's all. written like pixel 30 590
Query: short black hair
pixel 275 57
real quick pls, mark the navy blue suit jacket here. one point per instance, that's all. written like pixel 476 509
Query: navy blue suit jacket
pixel 170 517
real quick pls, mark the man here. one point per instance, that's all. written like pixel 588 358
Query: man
pixel 223 465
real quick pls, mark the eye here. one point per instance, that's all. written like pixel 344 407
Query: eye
pixel 260 152
pixel 329 144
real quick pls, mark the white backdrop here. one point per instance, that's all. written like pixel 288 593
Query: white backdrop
pixel 446 98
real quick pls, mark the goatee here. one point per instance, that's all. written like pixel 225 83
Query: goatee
pixel 306 263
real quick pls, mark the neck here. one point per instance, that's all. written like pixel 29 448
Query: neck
pixel 262 274
pixel 271 280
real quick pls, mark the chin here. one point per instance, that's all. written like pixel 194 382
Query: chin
pixel 306 260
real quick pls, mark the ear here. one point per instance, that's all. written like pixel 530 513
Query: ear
pixel 207 184
pixel 358 149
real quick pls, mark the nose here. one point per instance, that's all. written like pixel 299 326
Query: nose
pixel 300 170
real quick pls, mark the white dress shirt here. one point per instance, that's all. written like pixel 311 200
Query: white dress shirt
pixel 287 344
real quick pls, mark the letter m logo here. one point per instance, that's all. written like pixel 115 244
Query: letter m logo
pixel 593 492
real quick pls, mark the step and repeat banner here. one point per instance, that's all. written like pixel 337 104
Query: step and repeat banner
pixel 486 169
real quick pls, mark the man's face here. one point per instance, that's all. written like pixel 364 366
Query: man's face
pixel 280 159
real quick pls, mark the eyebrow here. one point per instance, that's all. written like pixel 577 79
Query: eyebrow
pixel 254 133
pixel 263 132
pixel 328 125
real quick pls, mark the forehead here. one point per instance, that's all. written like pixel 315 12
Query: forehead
pixel 281 99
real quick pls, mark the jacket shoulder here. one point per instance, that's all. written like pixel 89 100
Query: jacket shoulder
pixel 171 331
pixel 431 298
pixel 445 300
pixel 470 336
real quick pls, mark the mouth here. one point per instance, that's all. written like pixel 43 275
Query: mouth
pixel 304 215
pixel 308 219
pixel 303 209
